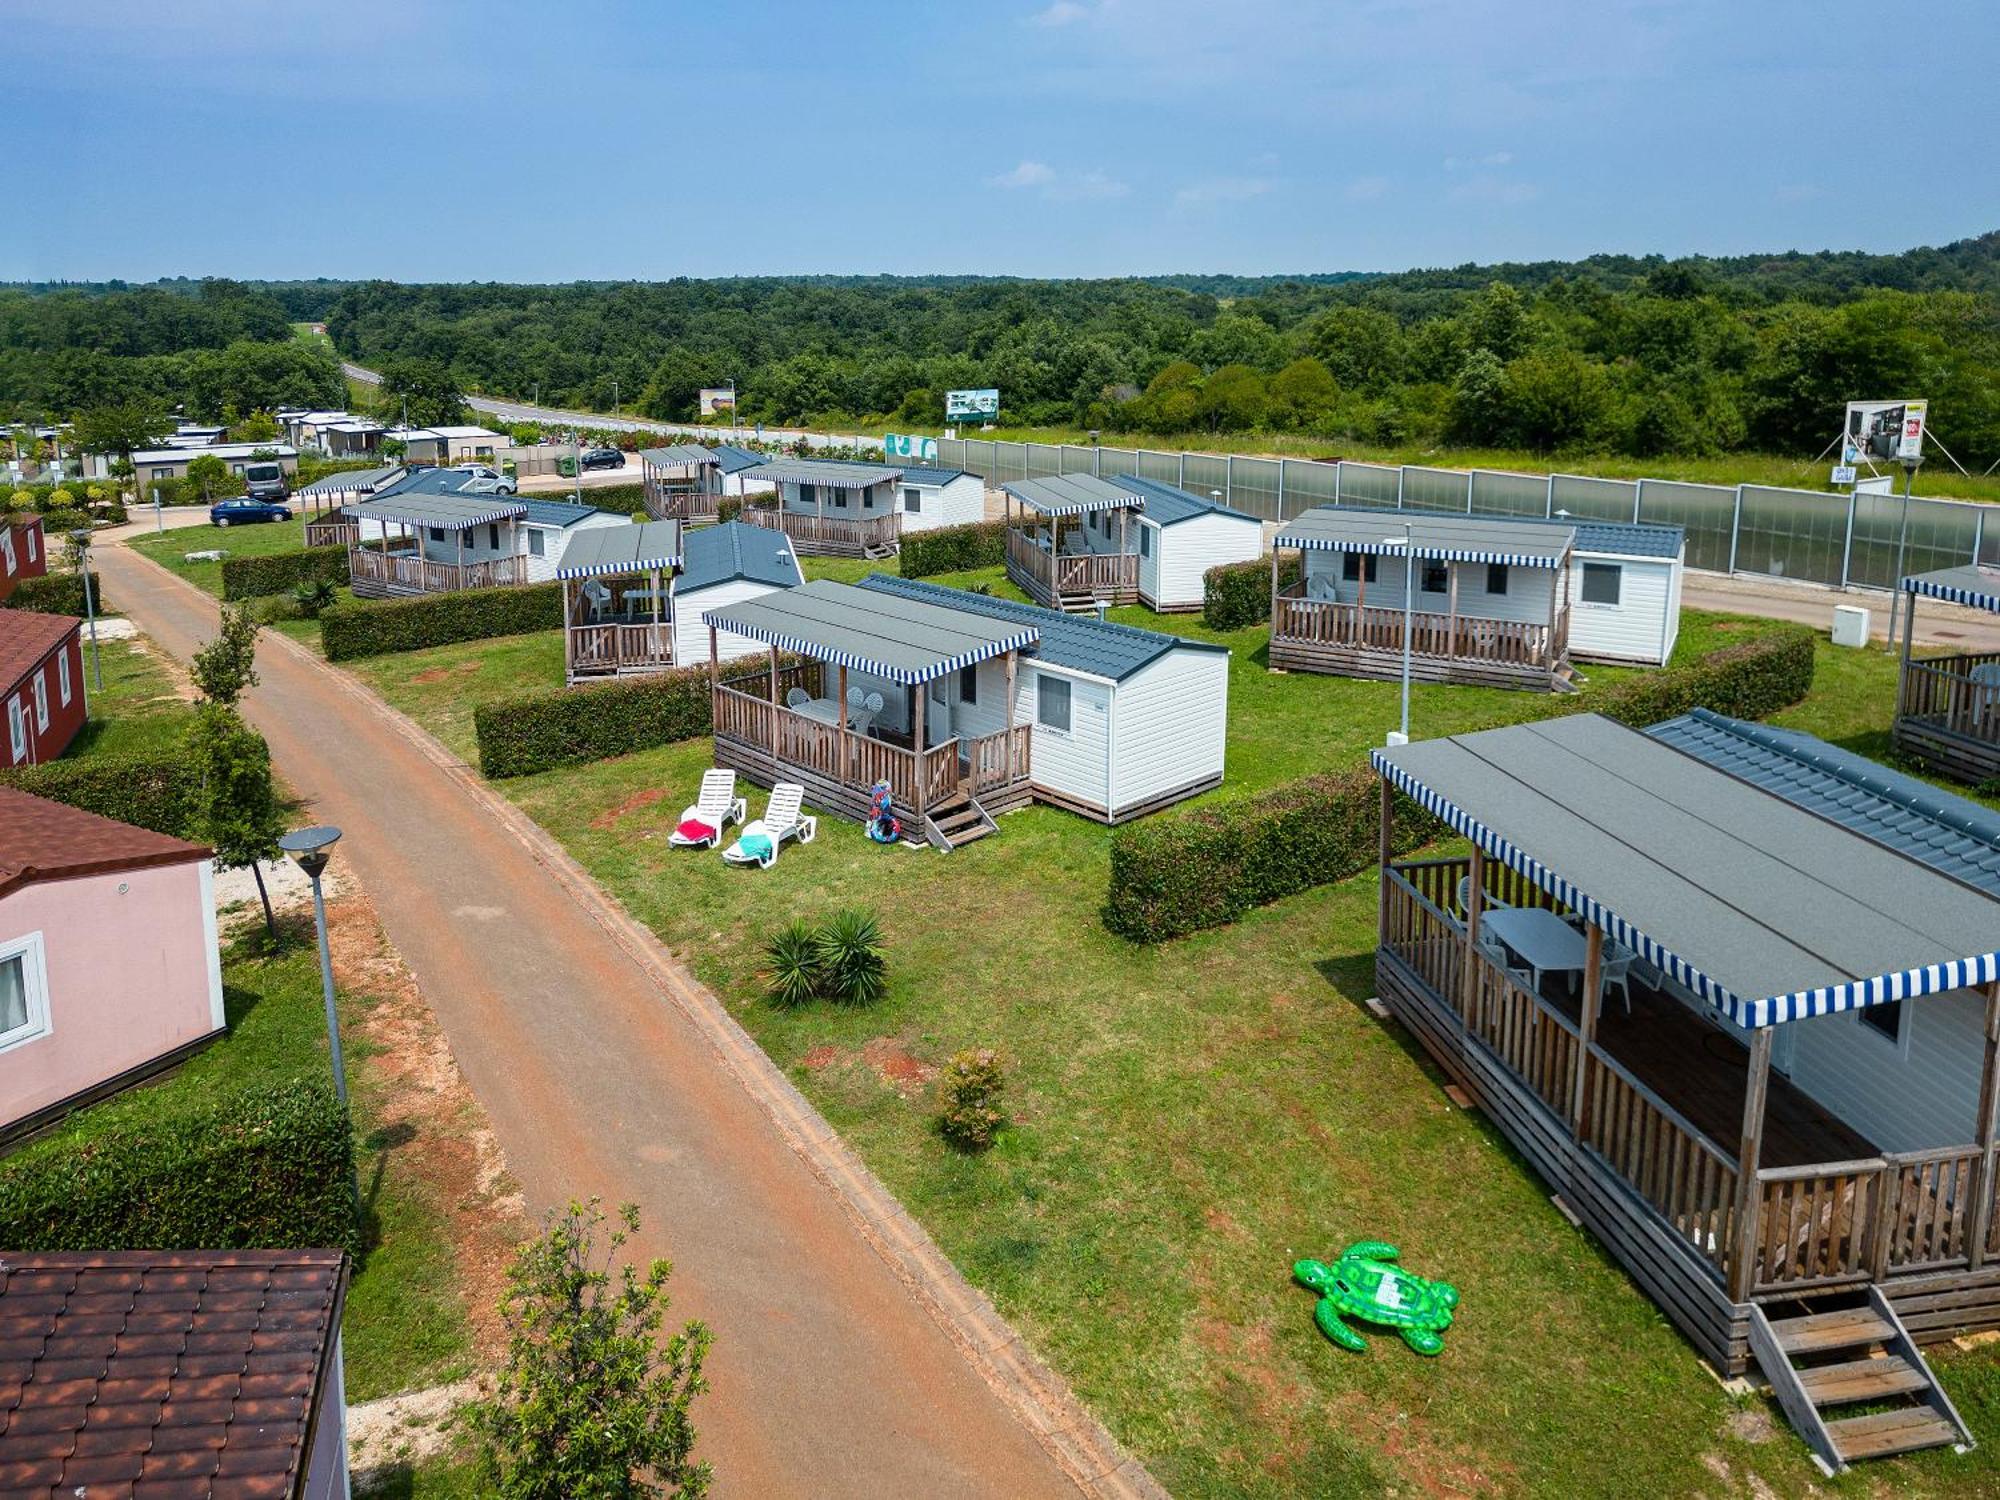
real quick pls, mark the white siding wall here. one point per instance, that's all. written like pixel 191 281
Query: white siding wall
pixel 1901 1102
pixel 1194 546
pixel 1527 596
pixel 1675 579
pixel 1169 725
pixel 691 634
pixel 876 500
pixel 1149 544
pixel 1636 627
pixel 554 540
pixel 958 503
pixel 1073 764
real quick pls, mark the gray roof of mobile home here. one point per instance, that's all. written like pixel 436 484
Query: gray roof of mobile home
pixel 632 548
pixel 721 554
pixel 905 640
pixel 680 456
pixel 447 512
pixel 1167 504
pixel 829 471
pixel 733 458
pixel 1971 584
pixel 1082 643
pixel 1447 537
pixel 1769 911
pixel 1613 538
pixel 1073 494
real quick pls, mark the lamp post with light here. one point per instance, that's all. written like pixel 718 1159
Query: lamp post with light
pixel 310 849
pixel 80 539
pixel 1407 542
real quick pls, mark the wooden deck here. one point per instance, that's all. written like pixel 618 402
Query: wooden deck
pixel 671 502
pixel 618 649
pixel 378 574
pixel 1076 582
pixel 1949 720
pixel 333 531
pixel 829 536
pixel 1636 1126
pixel 1356 640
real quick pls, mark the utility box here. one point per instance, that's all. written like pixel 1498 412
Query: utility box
pixel 1850 625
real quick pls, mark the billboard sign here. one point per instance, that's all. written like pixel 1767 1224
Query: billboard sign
pixel 717 398
pixel 972 406
pixel 921 450
pixel 1891 430
pixel 1843 473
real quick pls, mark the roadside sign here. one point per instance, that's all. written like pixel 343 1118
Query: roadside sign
pixel 976 406
pixel 1843 473
pixel 922 449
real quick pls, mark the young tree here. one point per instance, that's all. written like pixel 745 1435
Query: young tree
pixel 118 429
pixel 236 805
pixel 207 471
pixel 258 427
pixel 590 1405
pixel 228 664
pixel 424 388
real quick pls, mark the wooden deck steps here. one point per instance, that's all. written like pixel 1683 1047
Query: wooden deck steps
pixel 956 822
pixel 876 551
pixel 1855 1354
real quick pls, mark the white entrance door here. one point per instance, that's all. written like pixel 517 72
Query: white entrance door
pixel 937 711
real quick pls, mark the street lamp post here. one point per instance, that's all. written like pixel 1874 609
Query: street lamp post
pixel 81 539
pixel 310 849
pixel 1910 466
pixel 1408 543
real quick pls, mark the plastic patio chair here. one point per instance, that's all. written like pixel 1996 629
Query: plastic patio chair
pixel 760 840
pixel 714 810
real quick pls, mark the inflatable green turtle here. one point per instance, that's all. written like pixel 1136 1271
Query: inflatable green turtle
pixel 1367 1283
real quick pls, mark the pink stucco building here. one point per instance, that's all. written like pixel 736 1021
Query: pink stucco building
pixel 109 969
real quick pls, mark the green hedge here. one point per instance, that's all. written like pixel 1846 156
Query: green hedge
pixel 1234 595
pixel 379 626
pixel 278 572
pixel 1205 867
pixel 568 726
pixel 55 594
pixel 153 791
pixel 953 549
pixel 266 1169
pixel 617 499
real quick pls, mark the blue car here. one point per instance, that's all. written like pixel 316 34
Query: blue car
pixel 243 512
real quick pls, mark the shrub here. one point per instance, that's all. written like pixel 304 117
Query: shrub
pixel 968 1098
pixel 160 792
pixel 852 968
pixel 1234 595
pixel 1208 866
pixel 277 572
pixel 55 594
pixel 311 596
pixel 953 549
pixel 618 499
pixel 569 726
pixel 793 977
pixel 729 508
pixel 266 1169
pixel 227 665
pixel 380 626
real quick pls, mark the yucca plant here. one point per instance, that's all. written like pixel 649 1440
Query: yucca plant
pixel 792 956
pixel 312 595
pixel 852 968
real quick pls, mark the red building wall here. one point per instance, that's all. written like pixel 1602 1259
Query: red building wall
pixel 24 552
pixel 65 719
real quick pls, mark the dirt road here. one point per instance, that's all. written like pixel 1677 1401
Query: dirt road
pixel 849 1359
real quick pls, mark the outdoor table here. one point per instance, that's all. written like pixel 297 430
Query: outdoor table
pixel 1544 941
pixel 825 710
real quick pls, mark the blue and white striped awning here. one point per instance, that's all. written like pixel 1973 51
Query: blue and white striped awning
pixel 1976 586
pixel 596 551
pixel 1074 495
pixel 1434 537
pixel 905 641
pixel 443 512
pixel 1923 908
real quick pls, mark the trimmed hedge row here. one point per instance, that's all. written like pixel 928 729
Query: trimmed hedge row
pixel 266 1169
pixel 381 626
pixel 55 594
pixel 1208 866
pixel 159 792
pixel 953 549
pixel 569 726
pixel 278 572
pixel 1234 595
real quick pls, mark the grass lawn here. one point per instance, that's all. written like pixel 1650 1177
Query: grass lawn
pixel 170 549
pixel 137 711
pixel 405 1326
pixel 1189 1120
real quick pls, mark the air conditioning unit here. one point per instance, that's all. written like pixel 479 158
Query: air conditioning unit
pixel 1850 625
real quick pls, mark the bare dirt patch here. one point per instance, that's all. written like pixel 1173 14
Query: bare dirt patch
pixel 895 1066
pixel 433 675
pixel 1750 1424
pixel 820 1058
pixel 650 797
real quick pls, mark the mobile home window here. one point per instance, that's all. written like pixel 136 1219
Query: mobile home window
pixel 1145 541
pixel 913 499
pixel 1885 1019
pixel 1496 578
pixel 968 684
pixel 24 998
pixel 62 675
pixel 437 533
pixel 1357 565
pixel 17 730
pixel 31 543
pixel 493 537
pixel 41 702
pixel 534 542
pixel 1601 583
pixel 1052 702
pixel 1436 578
pixel 806 494
pixel 7 548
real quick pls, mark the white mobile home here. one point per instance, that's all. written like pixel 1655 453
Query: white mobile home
pixel 933 497
pixel 1180 536
pixel 724 565
pixel 1124 721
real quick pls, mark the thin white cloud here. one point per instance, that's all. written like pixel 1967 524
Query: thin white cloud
pixel 1211 191
pixel 1495 190
pixel 1474 163
pixel 1028 174
pixel 1061 13
pixel 1366 189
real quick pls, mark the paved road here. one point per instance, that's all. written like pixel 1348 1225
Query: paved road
pixel 830 1376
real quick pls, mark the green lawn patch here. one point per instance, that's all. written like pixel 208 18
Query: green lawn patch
pixel 137 712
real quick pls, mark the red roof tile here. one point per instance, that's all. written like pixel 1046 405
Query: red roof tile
pixel 123 1372
pixel 27 637
pixel 44 840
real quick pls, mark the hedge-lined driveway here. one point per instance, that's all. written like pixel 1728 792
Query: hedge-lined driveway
pixel 829 1375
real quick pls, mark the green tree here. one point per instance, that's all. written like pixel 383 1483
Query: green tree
pixel 237 812
pixel 1478 411
pixel 207 472
pixel 1557 399
pixel 227 665
pixel 120 428
pixel 1302 396
pixel 258 427
pixel 1363 348
pixel 1497 319
pixel 590 1405
pixel 1232 399
pixel 422 387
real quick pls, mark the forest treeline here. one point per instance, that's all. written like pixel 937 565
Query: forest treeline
pixel 1617 354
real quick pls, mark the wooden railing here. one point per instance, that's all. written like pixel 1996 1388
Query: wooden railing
pixel 1513 643
pixel 619 647
pixel 1684 1175
pixel 999 760
pixel 1940 690
pixel 838 531
pixel 680 503
pixel 1112 576
pixel 1836 1222
pixel 332 533
pixel 410 572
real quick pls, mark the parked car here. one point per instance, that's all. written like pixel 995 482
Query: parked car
pixel 603 458
pixel 243 512
pixel 486 480
pixel 265 482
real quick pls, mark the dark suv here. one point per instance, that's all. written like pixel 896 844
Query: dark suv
pixel 602 458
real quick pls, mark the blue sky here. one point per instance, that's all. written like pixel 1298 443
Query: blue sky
pixel 423 140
